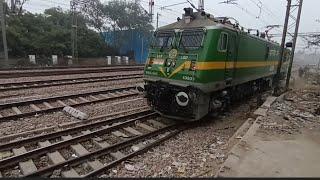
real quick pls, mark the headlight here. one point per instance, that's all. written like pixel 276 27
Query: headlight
pixel 168 63
pixel 151 61
pixel 173 64
pixel 193 66
pixel 182 99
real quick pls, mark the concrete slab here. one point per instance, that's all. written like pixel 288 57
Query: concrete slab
pixel 95 164
pixel 157 123
pixel 49 106
pixel 16 110
pixel 117 155
pixel 19 151
pixel 62 103
pixel 44 144
pixel 70 174
pixel 138 146
pixel 34 107
pixel 86 132
pixel 270 100
pixel 146 127
pixel 55 157
pixel 101 144
pixel 72 101
pixel 79 149
pixel 83 99
pixel 65 138
pixel 98 139
pixel 132 131
pixel 111 95
pixel 261 112
pixel 27 167
pixel 93 97
pixel 120 134
pixel 104 96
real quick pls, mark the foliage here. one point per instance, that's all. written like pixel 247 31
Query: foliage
pixel 93 11
pixel 313 40
pixel 118 15
pixel 50 33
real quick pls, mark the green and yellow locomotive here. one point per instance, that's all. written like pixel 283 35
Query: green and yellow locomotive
pixel 200 64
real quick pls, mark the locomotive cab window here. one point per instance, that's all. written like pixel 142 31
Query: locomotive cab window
pixel 223 42
pixel 163 39
pixel 191 40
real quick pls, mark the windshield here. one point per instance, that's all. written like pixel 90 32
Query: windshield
pixel 191 39
pixel 163 39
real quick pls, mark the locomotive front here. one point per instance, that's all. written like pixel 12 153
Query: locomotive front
pixel 170 73
pixel 171 80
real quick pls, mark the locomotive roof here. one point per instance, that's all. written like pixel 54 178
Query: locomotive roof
pixel 199 21
pixel 209 22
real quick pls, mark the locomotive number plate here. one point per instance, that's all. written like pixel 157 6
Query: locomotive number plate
pixel 188 78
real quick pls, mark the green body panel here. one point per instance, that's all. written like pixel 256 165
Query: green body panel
pixel 243 48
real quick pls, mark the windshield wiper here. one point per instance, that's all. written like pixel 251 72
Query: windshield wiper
pixel 184 48
pixel 161 49
pixel 164 44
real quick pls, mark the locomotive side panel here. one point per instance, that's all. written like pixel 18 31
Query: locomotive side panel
pixel 256 59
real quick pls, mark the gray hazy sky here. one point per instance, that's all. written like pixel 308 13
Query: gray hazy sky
pixel 273 12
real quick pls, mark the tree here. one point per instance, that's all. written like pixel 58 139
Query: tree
pixel 16 7
pixel 127 16
pixel 50 33
pixel 94 13
pixel 313 40
pixel 117 15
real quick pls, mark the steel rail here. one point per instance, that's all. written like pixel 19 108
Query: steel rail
pixel 61 82
pixel 131 155
pixel 65 97
pixel 13 137
pixel 40 100
pixel 34 139
pixel 17 73
pixel 104 151
pixel 68 67
pixel 65 143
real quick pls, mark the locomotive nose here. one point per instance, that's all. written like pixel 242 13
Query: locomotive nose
pixel 182 99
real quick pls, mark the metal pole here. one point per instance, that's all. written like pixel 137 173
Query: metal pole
pixel 4 35
pixel 151 9
pixel 201 5
pixel 158 20
pixel 72 4
pixel 294 44
pixel 74 31
pixel 13 5
pixel 76 39
pixel 283 41
pixel 142 50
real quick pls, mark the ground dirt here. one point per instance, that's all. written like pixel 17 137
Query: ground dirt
pixel 286 142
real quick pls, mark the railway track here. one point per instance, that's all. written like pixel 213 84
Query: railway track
pixel 65 81
pixel 86 150
pixel 54 72
pixel 66 67
pixel 20 109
